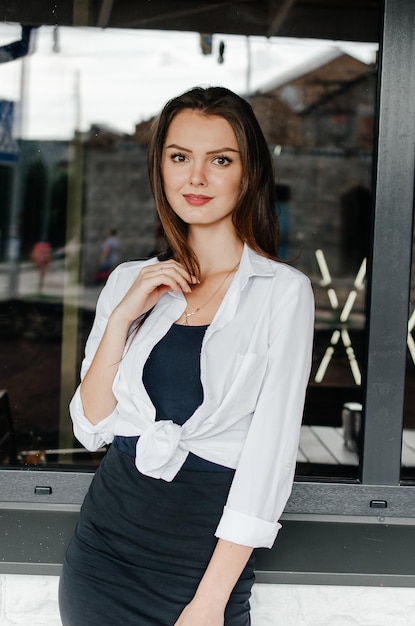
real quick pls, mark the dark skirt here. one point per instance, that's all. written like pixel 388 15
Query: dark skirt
pixel 141 547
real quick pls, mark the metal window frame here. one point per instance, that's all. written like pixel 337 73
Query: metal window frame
pixel 389 299
pixel 377 497
pixel 389 281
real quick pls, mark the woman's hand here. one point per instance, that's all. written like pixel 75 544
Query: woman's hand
pixel 152 282
pixel 208 605
pixel 201 614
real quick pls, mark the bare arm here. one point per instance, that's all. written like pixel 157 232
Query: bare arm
pixel 96 388
pixel 153 281
pixel 208 605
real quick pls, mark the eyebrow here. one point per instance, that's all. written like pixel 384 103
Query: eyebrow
pixel 218 151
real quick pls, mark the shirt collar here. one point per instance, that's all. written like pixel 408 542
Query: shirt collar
pixel 253 264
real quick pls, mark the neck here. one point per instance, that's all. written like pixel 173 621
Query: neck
pixel 217 252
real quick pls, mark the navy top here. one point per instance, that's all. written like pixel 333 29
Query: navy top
pixel 171 376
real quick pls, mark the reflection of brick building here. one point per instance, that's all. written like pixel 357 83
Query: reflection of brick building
pixel 329 106
pixel 117 195
pixel 321 124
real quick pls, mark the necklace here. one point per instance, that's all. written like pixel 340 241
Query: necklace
pixel 186 315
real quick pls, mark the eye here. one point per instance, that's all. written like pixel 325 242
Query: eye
pixel 178 157
pixel 222 160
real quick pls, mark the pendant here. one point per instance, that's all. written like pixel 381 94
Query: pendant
pixel 187 315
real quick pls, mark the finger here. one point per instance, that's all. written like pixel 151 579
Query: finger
pixel 174 265
pixel 170 278
pixel 177 273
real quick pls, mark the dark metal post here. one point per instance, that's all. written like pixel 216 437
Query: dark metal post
pixel 390 270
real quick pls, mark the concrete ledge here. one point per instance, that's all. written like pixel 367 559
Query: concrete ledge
pixel 325 550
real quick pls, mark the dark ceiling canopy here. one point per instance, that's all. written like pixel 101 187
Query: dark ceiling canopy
pixel 349 20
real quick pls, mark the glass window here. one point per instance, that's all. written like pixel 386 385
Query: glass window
pixel 74 120
pixel 319 122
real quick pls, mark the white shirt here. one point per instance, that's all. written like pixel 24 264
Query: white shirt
pixel 255 365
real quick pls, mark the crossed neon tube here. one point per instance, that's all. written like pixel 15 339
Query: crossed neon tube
pixel 342 333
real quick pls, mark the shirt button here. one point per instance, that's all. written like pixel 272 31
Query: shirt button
pixel 190 429
pixel 288 465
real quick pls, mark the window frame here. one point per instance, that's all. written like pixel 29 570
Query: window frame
pixel 377 496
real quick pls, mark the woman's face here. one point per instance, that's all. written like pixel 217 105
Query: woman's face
pixel 201 168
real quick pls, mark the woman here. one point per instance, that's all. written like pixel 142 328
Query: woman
pixel 195 370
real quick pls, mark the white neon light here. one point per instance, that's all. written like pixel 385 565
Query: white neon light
pixel 344 316
pixel 325 361
pixel 361 275
pixel 325 274
pixel 333 298
pixel 324 365
pixel 354 366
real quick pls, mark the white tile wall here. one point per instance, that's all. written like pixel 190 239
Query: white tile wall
pixel 309 605
pixel 33 600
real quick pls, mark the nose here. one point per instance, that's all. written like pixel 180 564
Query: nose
pixel 198 176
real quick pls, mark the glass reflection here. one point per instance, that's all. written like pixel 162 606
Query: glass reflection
pixel 323 131
pixel 72 168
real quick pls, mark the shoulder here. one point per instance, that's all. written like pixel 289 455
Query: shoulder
pixel 281 274
pixel 284 287
pixel 291 289
pixel 292 275
pixel 289 295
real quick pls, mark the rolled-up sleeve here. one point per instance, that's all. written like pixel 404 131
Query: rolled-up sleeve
pixel 92 436
pixel 265 472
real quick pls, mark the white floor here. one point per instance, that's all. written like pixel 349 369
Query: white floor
pixel 33 600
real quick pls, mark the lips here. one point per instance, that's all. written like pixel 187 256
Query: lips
pixel 196 199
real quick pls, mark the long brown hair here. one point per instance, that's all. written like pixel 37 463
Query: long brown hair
pixel 254 215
